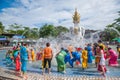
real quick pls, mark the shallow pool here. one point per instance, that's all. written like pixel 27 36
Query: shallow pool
pixel 35 67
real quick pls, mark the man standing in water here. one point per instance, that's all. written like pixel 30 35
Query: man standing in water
pixel 47 57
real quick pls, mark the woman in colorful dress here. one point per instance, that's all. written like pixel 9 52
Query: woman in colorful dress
pixel 9 58
pixel 76 57
pixel 68 58
pixel 17 62
pixel 90 55
pixel 113 57
pixel 97 56
pixel 39 54
pixel 32 55
pixel 102 66
pixel 24 60
pixel 61 66
pixel 84 58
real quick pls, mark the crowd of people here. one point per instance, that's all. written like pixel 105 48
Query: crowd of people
pixel 21 54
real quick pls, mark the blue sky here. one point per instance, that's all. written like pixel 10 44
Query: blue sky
pixel 95 14
pixel 5 3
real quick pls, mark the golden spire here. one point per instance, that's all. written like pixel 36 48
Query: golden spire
pixel 76 16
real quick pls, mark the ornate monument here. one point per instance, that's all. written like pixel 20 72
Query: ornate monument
pixel 76 20
pixel 78 30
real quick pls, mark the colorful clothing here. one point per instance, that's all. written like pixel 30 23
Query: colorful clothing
pixel 97 59
pixel 15 53
pixel 47 57
pixel 119 52
pixel 113 58
pixel 68 59
pixel 102 59
pixel 17 61
pixel 42 59
pixel 60 61
pixel 33 55
pixel 9 59
pixel 101 44
pixel 100 69
pixel 89 49
pixel 47 52
pixel 76 57
pixel 102 62
pixel 118 49
pixel 39 56
pixel 84 59
pixel 24 58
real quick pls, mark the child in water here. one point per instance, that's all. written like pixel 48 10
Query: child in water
pixel 9 58
pixel 17 62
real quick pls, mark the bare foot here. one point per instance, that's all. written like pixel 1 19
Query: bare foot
pixel 49 72
pixel 25 77
pixel 103 75
pixel 43 73
pixel 64 72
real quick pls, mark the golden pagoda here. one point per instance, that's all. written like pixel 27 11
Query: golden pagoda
pixel 76 20
pixel 76 17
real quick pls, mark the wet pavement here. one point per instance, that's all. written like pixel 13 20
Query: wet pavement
pixel 35 72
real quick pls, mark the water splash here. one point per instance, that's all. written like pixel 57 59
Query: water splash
pixel 66 39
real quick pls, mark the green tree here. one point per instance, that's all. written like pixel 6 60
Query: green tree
pixel 111 29
pixel 34 33
pixel 116 24
pixel 47 30
pixel 26 32
pixel 50 30
pixel 118 19
pixel 61 29
pixel 15 28
pixel 109 34
pixel 1 28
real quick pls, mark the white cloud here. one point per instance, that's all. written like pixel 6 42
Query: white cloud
pixel 94 13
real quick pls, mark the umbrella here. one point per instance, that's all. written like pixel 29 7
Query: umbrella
pixel 117 39
pixel 21 41
pixel 34 40
pixel 15 40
